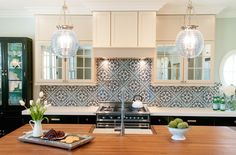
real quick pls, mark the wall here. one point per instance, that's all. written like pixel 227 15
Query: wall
pixel 225 40
pixel 17 27
pixel 135 76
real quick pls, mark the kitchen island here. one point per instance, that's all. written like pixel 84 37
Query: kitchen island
pixel 200 140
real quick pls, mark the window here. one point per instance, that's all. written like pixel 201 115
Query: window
pixel 228 69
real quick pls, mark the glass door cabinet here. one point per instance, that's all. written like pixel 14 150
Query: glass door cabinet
pixel 16 80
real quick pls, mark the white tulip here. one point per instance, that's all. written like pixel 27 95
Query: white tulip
pixel 45 102
pixel 41 94
pixel 22 103
pixel 31 102
pixel 38 100
pixel 28 111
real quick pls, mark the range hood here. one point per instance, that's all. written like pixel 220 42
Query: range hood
pixel 124 52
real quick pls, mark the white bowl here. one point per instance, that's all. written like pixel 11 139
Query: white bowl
pixel 178 134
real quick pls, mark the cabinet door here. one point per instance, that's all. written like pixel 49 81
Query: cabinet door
pixel 209 121
pixel 15 72
pixel 101 29
pixel 168 26
pixel 80 68
pixel 200 69
pixel 159 120
pixel 1 72
pixel 225 121
pixel 168 64
pixel 48 66
pixel 147 29
pixel 124 24
pixel 46 26
pixel 87 119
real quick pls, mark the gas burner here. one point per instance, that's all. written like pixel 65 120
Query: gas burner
pixel 107 108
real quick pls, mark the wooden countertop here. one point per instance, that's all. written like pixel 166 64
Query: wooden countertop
pixel 200 140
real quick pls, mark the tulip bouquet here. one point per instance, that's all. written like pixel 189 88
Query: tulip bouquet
pixel 36 109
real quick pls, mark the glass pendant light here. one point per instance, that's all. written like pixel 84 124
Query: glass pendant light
pixel 64 42
pixel 189 41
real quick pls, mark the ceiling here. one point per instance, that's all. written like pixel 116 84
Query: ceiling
pixel 27 8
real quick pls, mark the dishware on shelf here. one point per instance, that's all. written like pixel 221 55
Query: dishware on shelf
pixel 178 134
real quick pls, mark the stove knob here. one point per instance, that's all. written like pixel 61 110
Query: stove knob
pixel 141 117
pixel 130 117
pixel 118 117
pixel 111 117
pixel 137 117
pixel 103 117
pixel 126 117
pixel 134 117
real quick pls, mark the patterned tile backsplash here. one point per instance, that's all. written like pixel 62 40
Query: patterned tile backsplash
pixel 135 76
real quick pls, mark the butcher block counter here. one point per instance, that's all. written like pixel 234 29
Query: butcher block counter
pixel 200 140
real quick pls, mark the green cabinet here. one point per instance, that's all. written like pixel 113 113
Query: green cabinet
pixel 15 79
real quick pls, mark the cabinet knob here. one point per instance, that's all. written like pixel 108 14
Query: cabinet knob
pixel 235 122
pixel 191 121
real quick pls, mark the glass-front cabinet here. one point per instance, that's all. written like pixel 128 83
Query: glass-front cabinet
pixel 170 68
pixel 52 69
pixel 16 76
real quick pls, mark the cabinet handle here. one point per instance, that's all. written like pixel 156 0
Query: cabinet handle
pixel 55 119
pixel 191 121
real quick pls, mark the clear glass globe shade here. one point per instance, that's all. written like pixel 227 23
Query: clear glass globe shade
pixel 64 43
pixel 189 43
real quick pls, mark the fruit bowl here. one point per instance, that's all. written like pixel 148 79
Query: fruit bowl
pixel 178 134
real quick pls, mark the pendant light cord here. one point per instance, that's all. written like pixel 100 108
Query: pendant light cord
pixel 64 8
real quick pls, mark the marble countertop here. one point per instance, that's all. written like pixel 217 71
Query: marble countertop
pixel 164 111
pixel 155 111
pixel 57 110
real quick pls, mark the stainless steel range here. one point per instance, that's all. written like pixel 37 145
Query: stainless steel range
pixel 109 116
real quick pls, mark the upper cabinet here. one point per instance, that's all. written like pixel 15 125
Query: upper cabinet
pixel 101 29
pixel 172 69
pixel 124 29
pixel 46 26
pixel 51 69
pixel 168 26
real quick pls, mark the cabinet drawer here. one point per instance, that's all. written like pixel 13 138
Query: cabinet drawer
pixel 87 119
pixel 62 119
pixel 55 119
pixel 159 120
pixel 196 120
pixel 225 121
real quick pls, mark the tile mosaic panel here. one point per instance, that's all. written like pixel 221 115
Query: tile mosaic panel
pixel 135 76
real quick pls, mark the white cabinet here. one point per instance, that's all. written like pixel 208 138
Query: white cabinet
pixel 46 26
pixel 147 29
pixel 50 69
pixel 124 29
pixel 101 29
pixel 171 69
pixel 168 26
